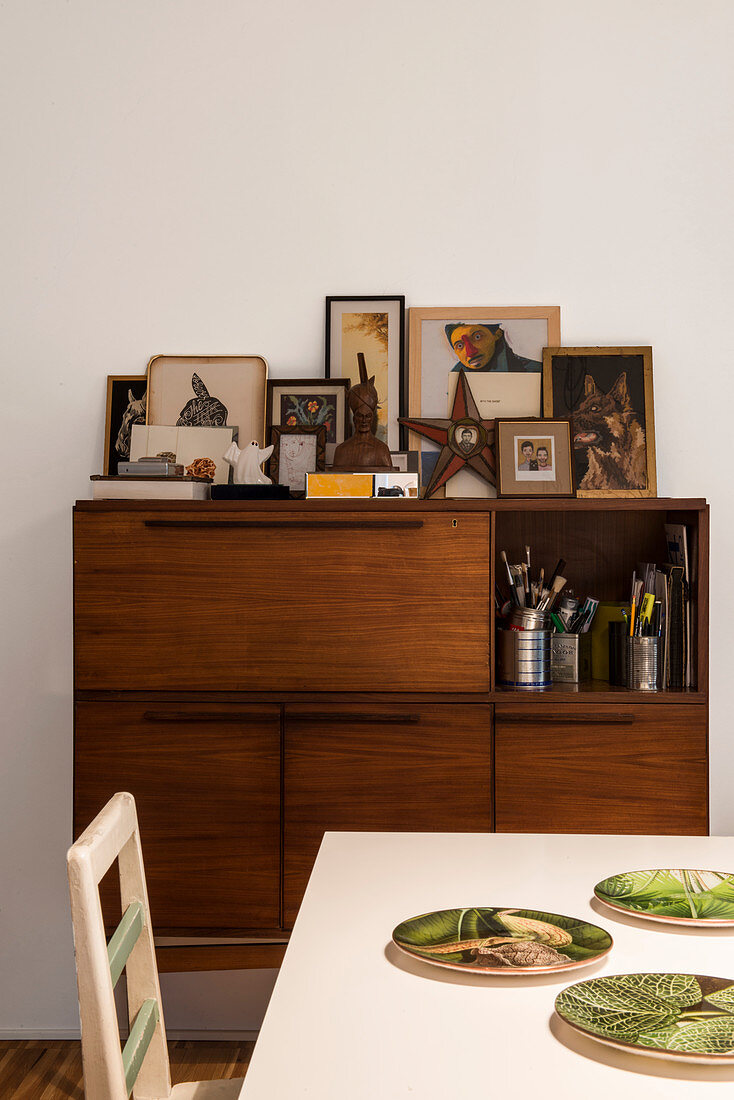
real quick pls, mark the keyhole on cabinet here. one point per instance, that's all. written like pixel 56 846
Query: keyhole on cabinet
pixel 454 523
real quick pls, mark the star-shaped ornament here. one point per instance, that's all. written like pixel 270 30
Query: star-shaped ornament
pixel 465 439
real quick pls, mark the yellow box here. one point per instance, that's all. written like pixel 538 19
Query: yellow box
pixel 328 484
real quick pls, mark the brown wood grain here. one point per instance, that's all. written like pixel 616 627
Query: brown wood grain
pixel 273 609
pixel 41 1069
pixel 208 800
pixel 617 769
pixel 601 548
pixel 432 775
pixel 216 956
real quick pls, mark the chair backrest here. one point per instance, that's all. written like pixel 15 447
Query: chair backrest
pixel 111 1072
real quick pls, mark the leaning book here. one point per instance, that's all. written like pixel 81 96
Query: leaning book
pixel 149 488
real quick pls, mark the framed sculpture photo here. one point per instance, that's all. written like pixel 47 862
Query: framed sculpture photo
pixel 375 326
pixel 499 348
pixel 209 391
pixel 608 395
pixel 297 451
pixel 126 398
pixel 534 458
pixel 309 403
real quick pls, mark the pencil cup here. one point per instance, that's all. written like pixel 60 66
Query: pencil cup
pixel 570 658
pixel 523 659
pixel 619 639
pixel 528 618
pixel 643 663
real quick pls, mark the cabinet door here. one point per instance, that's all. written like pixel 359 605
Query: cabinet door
pixel 626 769
pixel 294 600
pixel 385 768
pixel 206 780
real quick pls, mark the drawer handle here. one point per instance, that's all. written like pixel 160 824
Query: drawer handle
pixel 291 525
pixel 530 719
pixel 336 716
pixel 207 716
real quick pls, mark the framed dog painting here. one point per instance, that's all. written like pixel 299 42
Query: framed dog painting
pixel 607 393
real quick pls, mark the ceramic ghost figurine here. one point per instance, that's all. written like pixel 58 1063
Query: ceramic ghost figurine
pixel 246 462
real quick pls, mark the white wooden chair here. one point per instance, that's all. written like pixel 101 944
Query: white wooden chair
pixel 142 1067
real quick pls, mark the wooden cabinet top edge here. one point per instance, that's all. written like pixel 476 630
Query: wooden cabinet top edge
pixel 380 507
pixel 559 694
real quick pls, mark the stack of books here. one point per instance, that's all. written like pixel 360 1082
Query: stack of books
pixel 149 479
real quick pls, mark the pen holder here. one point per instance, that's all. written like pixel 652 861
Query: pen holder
pixel 528 618
pixel 619 639
pixel 570 658
pixel 523 659
pixel 643 663
pixel 633 662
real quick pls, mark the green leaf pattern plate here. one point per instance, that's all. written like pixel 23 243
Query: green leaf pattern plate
pixel 698 898
pixel 502 940
pixel 689 1017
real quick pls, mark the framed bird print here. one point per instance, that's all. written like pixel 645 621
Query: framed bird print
pixel 209 391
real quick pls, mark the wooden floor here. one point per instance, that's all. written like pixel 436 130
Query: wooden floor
pixel 52 1069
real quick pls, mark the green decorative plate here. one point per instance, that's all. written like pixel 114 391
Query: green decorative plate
pixel 699 898
pixel 501 940
pixel 688 1017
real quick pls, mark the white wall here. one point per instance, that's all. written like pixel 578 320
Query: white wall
pixel 189 176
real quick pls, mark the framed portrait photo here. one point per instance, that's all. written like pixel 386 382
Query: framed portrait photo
pixel 297 451
pixel 209 391
pixel 309 403
pixel 607 394
pixel 126 402
pixel 534 458
pixel 375 326
pixel 500 348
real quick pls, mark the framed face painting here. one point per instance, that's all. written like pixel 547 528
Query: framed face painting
pixel 375 326
pixel 209 391
pixel 499 348
pixel 297 451
pixel 534 458
pixel 309 403
pixel 126 399
pixel 608 395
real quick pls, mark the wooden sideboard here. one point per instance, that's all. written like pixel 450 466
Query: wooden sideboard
pixel 258 674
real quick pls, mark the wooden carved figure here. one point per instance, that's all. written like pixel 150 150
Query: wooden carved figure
pixel 363 450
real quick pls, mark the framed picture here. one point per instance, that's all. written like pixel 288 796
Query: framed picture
pixel 607 393
pixel 309 403
pixel 209 391
pixel 374 325
pixel 297 451
pixel 534 458
pixel 499 348
pixel 126 394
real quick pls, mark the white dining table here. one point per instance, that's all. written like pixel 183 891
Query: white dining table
pixel 353 1018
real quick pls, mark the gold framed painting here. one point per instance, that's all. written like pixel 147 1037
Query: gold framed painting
pixel 209 391
pixel 608 395
pixel 534 458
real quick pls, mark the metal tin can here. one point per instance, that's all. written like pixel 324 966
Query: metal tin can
pixel 570 658
pixel 528 618
pixel 523 658
pixel 643 663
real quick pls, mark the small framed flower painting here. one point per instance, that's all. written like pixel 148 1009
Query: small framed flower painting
pixel 309 403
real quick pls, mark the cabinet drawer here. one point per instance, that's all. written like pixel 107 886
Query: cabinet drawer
pixel 206 780
pixel 384 768
pixel 272 602
pixel 602 769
